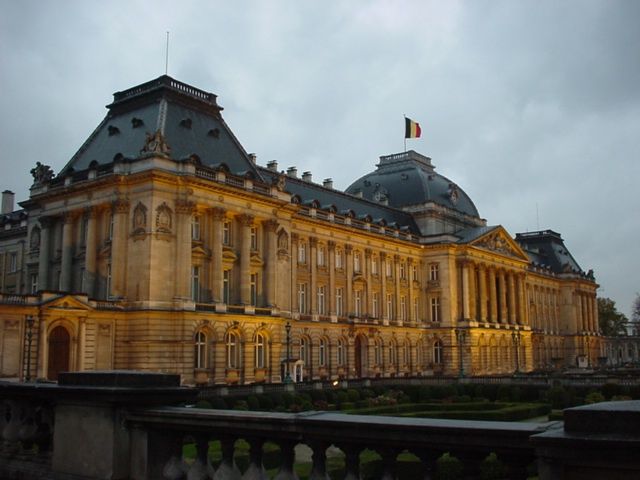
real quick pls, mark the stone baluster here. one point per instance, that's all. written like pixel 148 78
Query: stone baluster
pixel 199 469
pixel 319 459
pixel 256 470
pixel 174 468
pixel 429 460
pixel 389 459
pixel 351 462
pixel 227 469
pixel 287 453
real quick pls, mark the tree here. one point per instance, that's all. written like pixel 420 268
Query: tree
pixel 635 315
pixel 612 322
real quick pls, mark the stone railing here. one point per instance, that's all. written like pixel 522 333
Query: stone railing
pixel 117 425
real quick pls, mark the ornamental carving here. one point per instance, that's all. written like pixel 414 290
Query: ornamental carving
pixel 280 182
pixel 41 173
pixel 185 206
pixel 283 241
pixel 34 242
pixel 155 144
pixel 139 218
pixel 497 243
pixel 164 217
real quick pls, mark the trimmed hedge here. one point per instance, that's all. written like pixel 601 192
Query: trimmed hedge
pixel 508 413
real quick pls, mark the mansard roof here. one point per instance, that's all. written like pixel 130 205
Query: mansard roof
pixel 188 119
pixel 329 198
pixel 546 248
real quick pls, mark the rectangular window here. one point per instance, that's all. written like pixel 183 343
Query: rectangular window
pixel 302 253
pixel 338 259
pixel 34 283
pixel 374 265
pixel 388 269
pixel 254 289
pixel 254 238
pixel 435 309
pixel 321 256
pixel 226 233
pixel 13 262
pixel 339 305
pixel 390 313
pixel 84 226
pixel 322 352
pixel 82 275
pixel 226 286
pixel 108 286
pixel 195 227
pixel 403 270
pixel 416 310
pixel 403 308
pixel 302 298
pixel 321 300
pixel 340 352
pixel 374 305
pixel 110 230
pixel 434 272
pixel 414 272
pixel 356 262
pixel 195 283
pixel 357 303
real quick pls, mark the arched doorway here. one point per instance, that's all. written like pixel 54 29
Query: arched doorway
pixel 360 355
pixel 59 352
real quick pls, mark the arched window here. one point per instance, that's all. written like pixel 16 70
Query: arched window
pixel 377 351
pixel 232 342
pixel 437 352
pixel 305 351
pixel 340 352
pixel 406 353
pixel 322 352
pixel 393 353
pixel 261 351
pixel 200 350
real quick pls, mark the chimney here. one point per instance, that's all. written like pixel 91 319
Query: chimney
pixel 252 157
pixel 292 172
pixel 273 165
pixel 306 176
pixel 7 201
pixel 327 183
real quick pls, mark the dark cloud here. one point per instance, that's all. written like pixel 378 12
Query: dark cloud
pixel 532 107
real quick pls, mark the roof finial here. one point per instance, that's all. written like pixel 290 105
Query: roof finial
pixel 166 60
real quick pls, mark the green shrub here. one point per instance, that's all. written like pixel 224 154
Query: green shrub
pixel 347 406
pixel 241 405
pixel 492 468
pixel 341 397
pixel 448 467
pixel 318 395
pixel 253 402
pixel 424 393
pixel 367 393
pixel 594 397
pixel 266 402
pixel 219 403
pixel 504 393
pixel 558 397
pixel 203 404
pixel 619 398
pixel 610 389
pixel 353 395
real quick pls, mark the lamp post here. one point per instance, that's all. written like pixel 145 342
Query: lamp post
pixel 516 342
pixel 287 377
pixel 29 322
pixel 460 336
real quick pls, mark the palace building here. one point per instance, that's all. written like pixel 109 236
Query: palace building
pixel 162 245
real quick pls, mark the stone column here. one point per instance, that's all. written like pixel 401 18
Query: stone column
pixel 67 252
pixel 217 216
pixel 294 272
pixel 270 227
pixel 396 271
pixel 367 293
pixel 348 255
pixel 82 328
pixel 594 314
pixel 331 245
pixel 184 212
pixel 465 289
pixel 473 292
pixel 119 248
pixel 313 260
pixel 383 286
pixel 503 297
pixel 512 299
pixel 90 253
pixel 483 292
pixel 493 294
pixel 410 314
pixel 43 266
pixel 522 304
pixel 246 222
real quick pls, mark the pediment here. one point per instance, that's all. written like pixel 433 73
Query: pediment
pixel 66 302
pixel 500 242
pixel 229 255
pixel 256 261
pixel 199 250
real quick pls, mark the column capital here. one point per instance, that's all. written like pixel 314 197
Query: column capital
pixel 46 221
pixel 91 212
pixel 367 253
pixel 270 225
pixel 69 216
pixel 331 244
pixel 348 248
pixel 218 213
pixel 185 206
pixel 120 205
pixel 246 220
pixel 313 242
pixel 396 258
pixel 295 238
pixel 383 255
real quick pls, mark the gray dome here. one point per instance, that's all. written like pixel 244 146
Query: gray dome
pixel 407 179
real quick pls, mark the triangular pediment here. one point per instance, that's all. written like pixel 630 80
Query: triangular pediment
pixel 500 242
pixel 66 302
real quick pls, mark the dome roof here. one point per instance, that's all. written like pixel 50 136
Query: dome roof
pixel 407 179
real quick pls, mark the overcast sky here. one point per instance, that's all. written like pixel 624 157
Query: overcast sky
pixel 531 107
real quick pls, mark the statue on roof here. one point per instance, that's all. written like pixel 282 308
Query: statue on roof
pixel 155 144
pixel 41 173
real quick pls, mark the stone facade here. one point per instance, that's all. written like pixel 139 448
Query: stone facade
pixel 141 254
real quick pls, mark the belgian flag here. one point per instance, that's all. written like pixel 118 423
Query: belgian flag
pixel 411 128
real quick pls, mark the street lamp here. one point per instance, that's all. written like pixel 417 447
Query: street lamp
pixel 287 378
pixel 460 336
pixel 516 342
pixel 29 322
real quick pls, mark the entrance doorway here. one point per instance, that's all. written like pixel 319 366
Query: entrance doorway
pixel 360 355
pixel 59 350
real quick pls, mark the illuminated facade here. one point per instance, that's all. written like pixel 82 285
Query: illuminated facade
pixel 162 245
